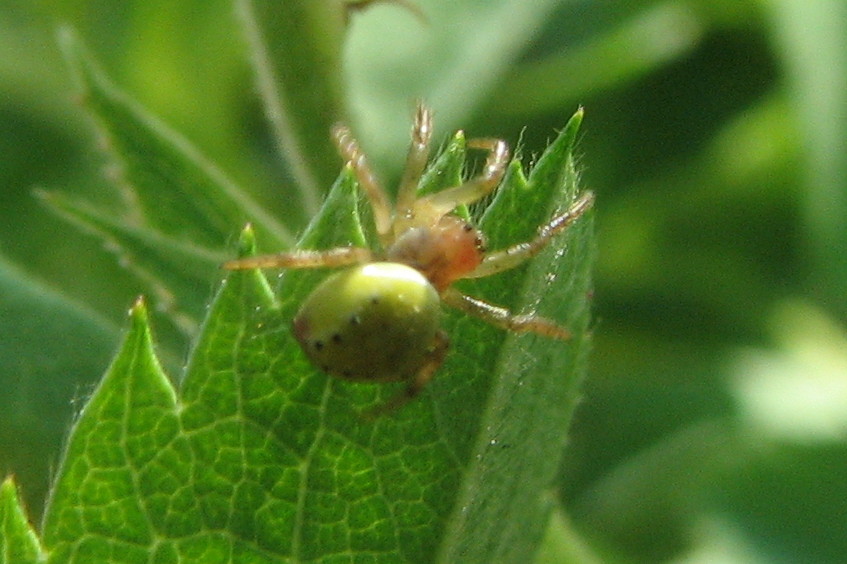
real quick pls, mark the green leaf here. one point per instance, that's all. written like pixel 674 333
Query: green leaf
pixel 447 169
pixel 526 386
pixel 18 541
pixel 563 545
pixel 124 470
pixel 168 185
pixel 262 457
pixel 655 36
pixel 172 212
pixel 295 49
pixel 173 269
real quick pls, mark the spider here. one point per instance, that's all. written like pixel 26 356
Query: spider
pixel 378 320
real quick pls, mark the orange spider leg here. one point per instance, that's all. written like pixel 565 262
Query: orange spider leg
pixel 349 149
pixel 339 256
pixel 499 261
pixel 441 203
pixel 416 161
pixel 502 317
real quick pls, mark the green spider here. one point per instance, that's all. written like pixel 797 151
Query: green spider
pixel 379 319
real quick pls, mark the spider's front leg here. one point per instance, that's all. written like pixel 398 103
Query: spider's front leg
pixel 513 256
pixel 415 161
pixel 502 317
pixel 350 151
pixel 330 258
pixel 441 203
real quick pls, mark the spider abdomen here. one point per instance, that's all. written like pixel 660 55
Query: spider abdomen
pixel 374 322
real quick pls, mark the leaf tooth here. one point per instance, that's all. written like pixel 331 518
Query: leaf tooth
pixel 247 241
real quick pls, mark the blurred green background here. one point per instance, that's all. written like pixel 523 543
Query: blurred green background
pixel 714 417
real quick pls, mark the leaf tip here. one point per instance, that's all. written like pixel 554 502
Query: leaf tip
pixel 42 195
pixel 73 50
pixel 138 312
pixel 19 542
pixel 515 175
pixel 247 241
pixel 457 146
pixel 8 484
pixel 572 127
pixel 579 113
pixel 67 39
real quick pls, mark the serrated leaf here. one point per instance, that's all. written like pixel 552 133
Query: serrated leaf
pixel 177 210
pixel 125 466
pixel 173 269
pixel 18 541
pixel 263 458
pixel 174 189
pixel 532 383
pixel 295 48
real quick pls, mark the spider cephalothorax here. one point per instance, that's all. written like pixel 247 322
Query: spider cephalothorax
pixel 378 320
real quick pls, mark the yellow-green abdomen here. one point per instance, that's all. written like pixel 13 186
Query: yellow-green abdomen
pixel 375 322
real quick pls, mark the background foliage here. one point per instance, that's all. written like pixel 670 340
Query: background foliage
pixel 713 420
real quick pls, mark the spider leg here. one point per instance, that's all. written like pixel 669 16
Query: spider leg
pixel 339 256
pixel 349 150
pixel 415 161
pixel 423 377
pixel 511 257
pixel 476 188
pixel 502 317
